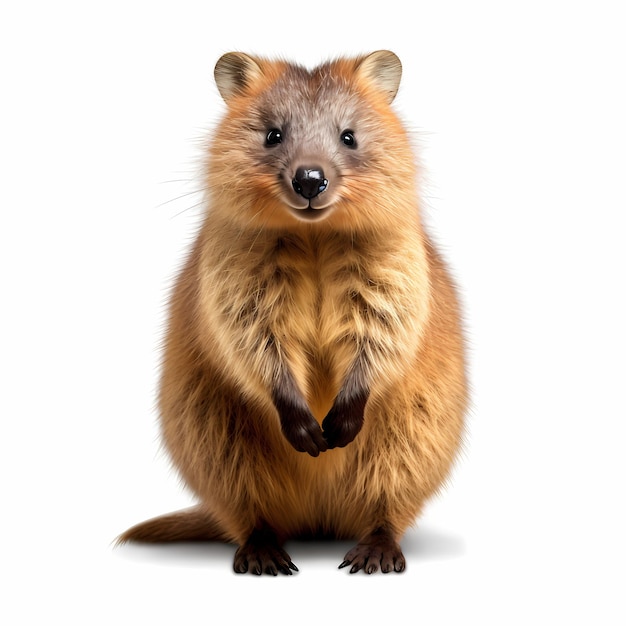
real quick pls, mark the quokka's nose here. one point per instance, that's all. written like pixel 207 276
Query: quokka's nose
pixel 309 181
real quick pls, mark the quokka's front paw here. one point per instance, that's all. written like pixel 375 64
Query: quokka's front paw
pixel 303 432
pixel 299 426
pixel 343 422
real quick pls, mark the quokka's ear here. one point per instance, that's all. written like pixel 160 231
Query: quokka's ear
pixel 384 70
pixel 234 72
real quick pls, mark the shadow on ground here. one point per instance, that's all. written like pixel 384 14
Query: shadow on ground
pixel 418 545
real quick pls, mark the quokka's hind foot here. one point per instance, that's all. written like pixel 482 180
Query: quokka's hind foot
pixel 379 550
pixel 262 554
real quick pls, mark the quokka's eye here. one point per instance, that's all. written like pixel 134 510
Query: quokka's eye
pixel 273 137
pixel 347 137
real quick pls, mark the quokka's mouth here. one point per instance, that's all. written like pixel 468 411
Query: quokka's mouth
pixel 309 214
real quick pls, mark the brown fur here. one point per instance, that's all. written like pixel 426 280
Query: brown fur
pixel 349 317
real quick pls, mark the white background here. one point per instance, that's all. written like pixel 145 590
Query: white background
pixel 519 112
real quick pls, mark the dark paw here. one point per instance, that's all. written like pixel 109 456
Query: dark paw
pixel 343 422
pixel 262 555
pixel 303 432
pixel 377 552
pixel 299 426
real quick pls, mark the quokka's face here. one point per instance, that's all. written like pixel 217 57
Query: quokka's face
pixel 302 147
pixel 309 143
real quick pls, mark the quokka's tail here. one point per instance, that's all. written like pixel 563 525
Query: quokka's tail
pixel 192 524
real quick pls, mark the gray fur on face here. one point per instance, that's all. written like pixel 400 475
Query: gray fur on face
pixel 311 110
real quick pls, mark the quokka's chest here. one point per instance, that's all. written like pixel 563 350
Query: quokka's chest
pixel 316 300
pixel 290 285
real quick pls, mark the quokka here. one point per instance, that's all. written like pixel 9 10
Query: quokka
pixel 313 377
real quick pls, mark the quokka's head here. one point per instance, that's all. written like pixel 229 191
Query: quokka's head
pixel 308 147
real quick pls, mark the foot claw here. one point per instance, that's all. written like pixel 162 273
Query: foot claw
pixel 378 551
pixel 262 554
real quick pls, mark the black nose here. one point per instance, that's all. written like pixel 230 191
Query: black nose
pixel 309 181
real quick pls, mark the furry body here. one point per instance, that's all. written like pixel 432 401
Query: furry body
pixel 313 374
